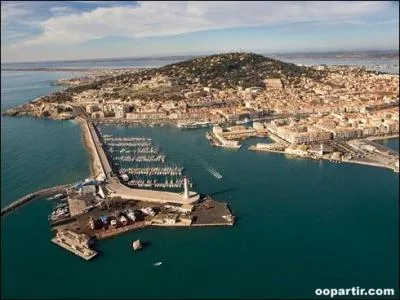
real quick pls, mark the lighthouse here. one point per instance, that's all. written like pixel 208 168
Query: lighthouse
pixel 186 188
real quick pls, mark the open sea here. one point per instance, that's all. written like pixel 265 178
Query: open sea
pixel 302 224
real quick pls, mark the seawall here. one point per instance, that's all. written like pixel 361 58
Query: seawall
pixel 32 196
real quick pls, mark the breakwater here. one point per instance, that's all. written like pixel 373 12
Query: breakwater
pixel 32 196
pixel 96 167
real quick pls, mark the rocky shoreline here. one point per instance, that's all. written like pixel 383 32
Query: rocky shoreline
pixel 47 110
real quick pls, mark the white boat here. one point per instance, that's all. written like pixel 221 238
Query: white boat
pixel 123 220
pixel 125 177
pixel 245 121
pixel 157 264
pixel 131 215
pixel 56 197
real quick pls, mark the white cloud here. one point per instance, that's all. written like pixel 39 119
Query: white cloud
pixel 10 10
pixel 92 2
pixel 61 10
pixel 150 19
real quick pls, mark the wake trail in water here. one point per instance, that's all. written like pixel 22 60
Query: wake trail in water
pixel 215 173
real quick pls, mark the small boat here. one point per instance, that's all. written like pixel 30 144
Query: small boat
pixel 56 197
pixel 157 264
pixel 136 245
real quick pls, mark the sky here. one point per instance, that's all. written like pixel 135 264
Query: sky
pixel 71 30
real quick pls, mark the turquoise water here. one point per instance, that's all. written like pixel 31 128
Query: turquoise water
pixel 391 143
pixel 302 224
pixel 36 153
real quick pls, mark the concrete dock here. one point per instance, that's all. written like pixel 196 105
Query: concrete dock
pixel 103 234
pixel 75 243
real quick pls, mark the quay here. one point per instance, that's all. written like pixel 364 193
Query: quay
pixel 103 234
pixel 220 142
pixel 363 152
pixel 207 212
pixel 255 148
pixel 75 243
pixel 32 196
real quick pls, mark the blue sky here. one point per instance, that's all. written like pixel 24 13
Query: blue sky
pixel 62 30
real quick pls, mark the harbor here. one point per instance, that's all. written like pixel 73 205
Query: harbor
pixel 130 194
pixel 124 195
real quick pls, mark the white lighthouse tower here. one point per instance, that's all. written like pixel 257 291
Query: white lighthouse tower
pixel 186 188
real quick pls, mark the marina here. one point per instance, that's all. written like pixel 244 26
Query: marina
pixel 142 158
pixel 173 170
pixel 153 183
pixel 130 144
pixel 146 150
pixel 126 139
pixel 141 164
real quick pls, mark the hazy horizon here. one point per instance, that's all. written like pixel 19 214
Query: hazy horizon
pixel 283 53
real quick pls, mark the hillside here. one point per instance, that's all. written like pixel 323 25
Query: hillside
pixel 223 71
pixel 234 69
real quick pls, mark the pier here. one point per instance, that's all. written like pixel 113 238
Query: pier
pixel 141 150
pixel 153 171
pixel 142 158
pixel 130 144
pixel 75 243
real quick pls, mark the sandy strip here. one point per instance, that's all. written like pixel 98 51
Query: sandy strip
pixel 95 164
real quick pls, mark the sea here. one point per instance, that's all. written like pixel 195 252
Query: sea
pixel 302 224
